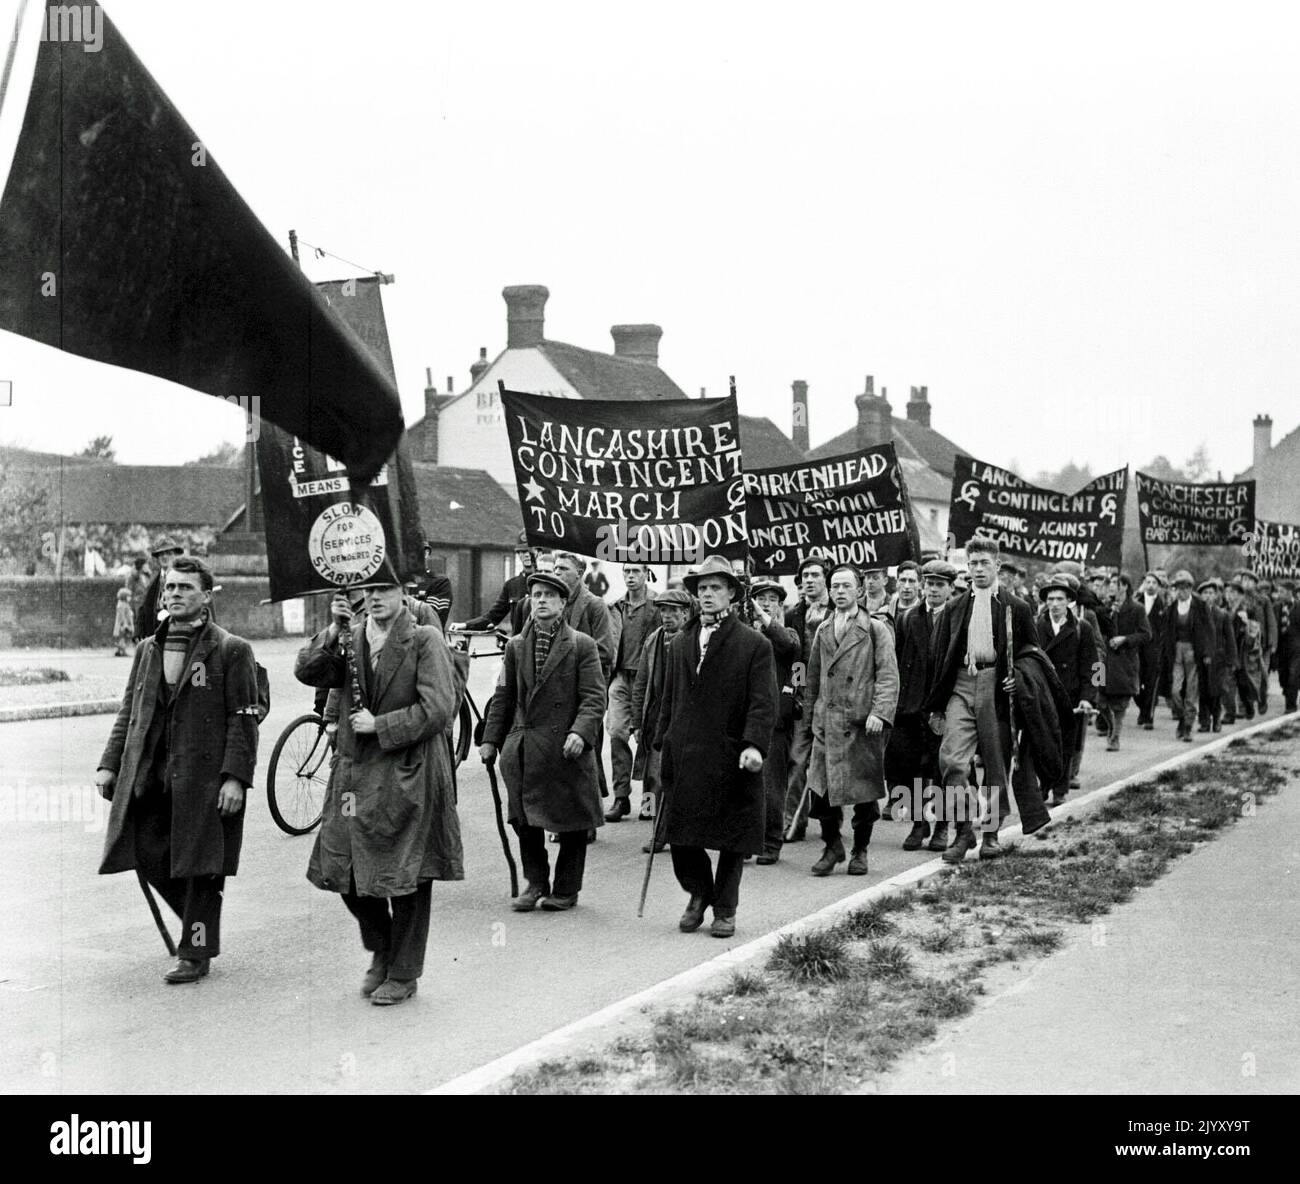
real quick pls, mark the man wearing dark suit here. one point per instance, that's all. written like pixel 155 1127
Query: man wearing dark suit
pixel 1189 651
pixel 969 701
pixel 1150 655
pixel 1223 662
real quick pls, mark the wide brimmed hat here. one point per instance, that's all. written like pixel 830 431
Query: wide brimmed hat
pixel 939 569
pixel 165 544
pixel 760 586
pixel 714 565
pixel 548 580
pixel 1057 583
pixel 673 598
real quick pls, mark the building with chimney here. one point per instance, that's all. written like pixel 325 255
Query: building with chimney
pixel 926 456
pixel 1276 472
pixel 469 429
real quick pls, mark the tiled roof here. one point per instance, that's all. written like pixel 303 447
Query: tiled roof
pixel 764 446
pixel 172 495
pixel 1289 442
pixel 25 458
pixel 923 482
pixel 603 376
pixel 465 508
pixel 911 439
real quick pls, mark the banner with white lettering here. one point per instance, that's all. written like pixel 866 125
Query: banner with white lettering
pixel 1183 513
pixel 1087 527
pixel 1274 550
pixel 852 508
pixel 651 480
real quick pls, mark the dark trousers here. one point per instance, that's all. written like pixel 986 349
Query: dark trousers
pixel 395 926
pixel 196 900
pixel 797 777
pixel 1149 659
pixel 1210 701
pixel 695 873
pixel 775 784
pixel 569 863
pixel 865 816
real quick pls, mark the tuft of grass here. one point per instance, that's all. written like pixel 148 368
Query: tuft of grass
pixel 889 959
pixel 1040 941
pixel 944 999
pixel 941 941
pixel 748 982
pixel 820 956
pixel 871 921
pixel 30 676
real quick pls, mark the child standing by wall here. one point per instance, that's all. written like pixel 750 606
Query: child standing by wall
pixel 123 622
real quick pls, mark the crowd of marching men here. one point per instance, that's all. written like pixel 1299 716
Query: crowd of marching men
pixel 934 697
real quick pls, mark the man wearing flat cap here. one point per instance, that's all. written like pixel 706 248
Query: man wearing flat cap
pixel 1154 600
pixel 1189 651
pixel 544 719
pixel 151 614
pixel 1260 608
pixel 1223 660
pixel 768 600
pixel 715 727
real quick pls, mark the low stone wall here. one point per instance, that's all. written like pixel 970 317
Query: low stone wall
pixel 40 611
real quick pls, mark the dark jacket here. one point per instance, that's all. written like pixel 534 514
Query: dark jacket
pixel 786 651
pixel 707 720
pixel 390 809
pixel 435 591
pixel 634 624
pixel 512 592
pixel 530 716
pixel 212 736
pixel 1225 646
pixel 950 645
pixel 1073 654
pixel 1202 631
pixel 1128 622
pixel 914 635
pixel 647 697
pixel 590 615
pixel 1043 712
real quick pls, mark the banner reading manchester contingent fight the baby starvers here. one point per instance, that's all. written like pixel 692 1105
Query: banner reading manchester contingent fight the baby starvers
pixel 1183 513
pixel 1087 526
pixel 852 508
pixel 655 481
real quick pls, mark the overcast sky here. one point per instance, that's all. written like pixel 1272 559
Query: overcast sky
pixel 1076 225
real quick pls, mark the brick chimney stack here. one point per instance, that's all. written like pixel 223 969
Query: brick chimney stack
pixel 918 406
pixel 799 421
pixel 637 343
pixel 875 417
pixel 525 314
pixel 478 367
pixel 1263 438
pixel 429 428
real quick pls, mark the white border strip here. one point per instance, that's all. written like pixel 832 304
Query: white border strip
pixel 487 1076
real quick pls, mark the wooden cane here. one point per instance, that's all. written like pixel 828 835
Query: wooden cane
pixel 157 914
pixel 650 859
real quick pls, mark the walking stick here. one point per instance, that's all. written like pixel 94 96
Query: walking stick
pixel 650 859
pixel 157 914
pixel 794 822
pixel 501 829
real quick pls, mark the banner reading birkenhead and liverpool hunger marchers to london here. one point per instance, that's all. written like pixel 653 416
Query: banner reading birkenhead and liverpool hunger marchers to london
pixel 1087 526
pixel 852 508
pixel 650 480
pixel 1185 513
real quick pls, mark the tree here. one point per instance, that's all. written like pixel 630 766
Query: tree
pixel 24 514
pixel 1069 479
pixel 1197 466
pixel 100 448
pixel 1160 468
pixel 228 454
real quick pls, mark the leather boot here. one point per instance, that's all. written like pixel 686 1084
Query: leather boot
pixel 916 836
pixel 939 840
pixel 858 864
pixel 693 917
pixel 831 855
pixel 965 841
pixel 990 848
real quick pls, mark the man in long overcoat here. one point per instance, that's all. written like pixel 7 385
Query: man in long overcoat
pixel 1223 661
pixel 851 697
pixel 1128 633
pixel 1071 645
pixel 1155 605
pixel 390 826
pixel 804 619
pixel 1188 652
pixel 715 727
pixel 544 720
pixel 768 600
pixel 178 762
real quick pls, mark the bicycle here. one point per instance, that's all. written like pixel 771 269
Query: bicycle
pixel 469 720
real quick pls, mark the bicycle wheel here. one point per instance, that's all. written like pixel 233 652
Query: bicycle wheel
pixel 298 775
pixel 463 734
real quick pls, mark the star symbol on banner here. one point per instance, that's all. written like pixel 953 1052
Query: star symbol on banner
pixel 533 490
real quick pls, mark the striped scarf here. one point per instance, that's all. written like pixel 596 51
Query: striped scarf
pixel 709 623
pixel 180 636
pixel 542 644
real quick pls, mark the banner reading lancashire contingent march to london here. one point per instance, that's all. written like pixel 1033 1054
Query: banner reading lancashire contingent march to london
pixel 1275 550
pixel 651 480
pixel 852 508
pixel 1182 513
pixel 1087 526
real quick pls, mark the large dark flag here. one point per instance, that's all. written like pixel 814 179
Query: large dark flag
pixel 654 480
pixel 320 533
pixel 1274 550
pixel 122 241
pixel 852 509
pixel 1087 526
pixel 1184 513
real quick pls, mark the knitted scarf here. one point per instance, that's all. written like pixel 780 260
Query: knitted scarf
pixel 180 636
pixel 979 636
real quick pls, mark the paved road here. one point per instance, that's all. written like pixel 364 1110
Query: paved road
pixel 84 1008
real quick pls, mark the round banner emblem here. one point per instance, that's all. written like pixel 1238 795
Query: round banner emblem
pixel 346 543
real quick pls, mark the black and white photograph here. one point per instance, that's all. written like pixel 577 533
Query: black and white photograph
pixel 699 549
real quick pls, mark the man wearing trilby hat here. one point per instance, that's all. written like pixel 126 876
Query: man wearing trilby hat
pixel 715 727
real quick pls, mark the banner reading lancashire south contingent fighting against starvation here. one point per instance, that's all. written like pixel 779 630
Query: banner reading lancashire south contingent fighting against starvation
pixel 1087 526
pixel 652 480
pixel 1181 513
pixel 852 508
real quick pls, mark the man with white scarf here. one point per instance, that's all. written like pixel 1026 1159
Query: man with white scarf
pixel 969 701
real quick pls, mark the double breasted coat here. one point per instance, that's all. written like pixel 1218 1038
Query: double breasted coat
pixel 390 810
pixel 212 736
pixel 848 681
pixel 1073 653
pixel 530 716
pixel 1123 666
pixel 708 718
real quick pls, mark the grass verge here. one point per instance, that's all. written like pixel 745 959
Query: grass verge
pixel 834 1007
